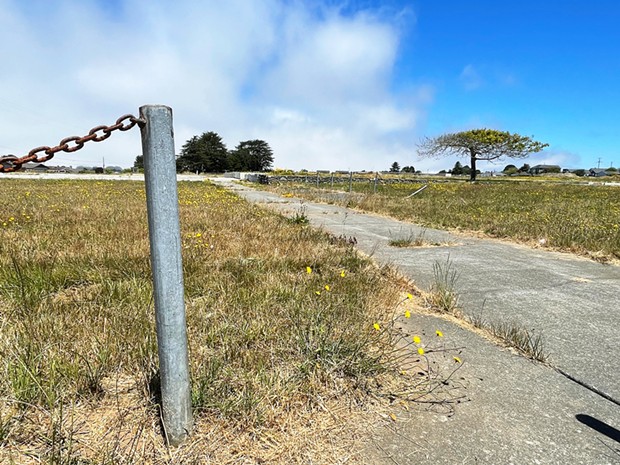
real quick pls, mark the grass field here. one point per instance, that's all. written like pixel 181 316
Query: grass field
pixel 578 218
pixel 289 331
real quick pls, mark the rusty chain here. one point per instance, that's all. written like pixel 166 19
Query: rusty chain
pixel 9 163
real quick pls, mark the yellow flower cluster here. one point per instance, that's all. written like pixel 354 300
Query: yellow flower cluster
pixel 326 287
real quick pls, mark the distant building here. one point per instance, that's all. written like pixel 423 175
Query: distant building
pixel 542 169
pixel 597 172
pixel 36 167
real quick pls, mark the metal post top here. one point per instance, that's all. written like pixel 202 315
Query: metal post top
pixel 154 107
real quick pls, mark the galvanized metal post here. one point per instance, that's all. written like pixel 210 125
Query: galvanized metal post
pixel 332 184
pixel 165 239
pixel 376 177
pixel 350 181
pixel 317 179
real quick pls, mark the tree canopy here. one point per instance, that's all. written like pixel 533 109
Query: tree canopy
pixel 479 144
pixel 395 168
pixel 251 155
pixel 208 154
pixel 204 154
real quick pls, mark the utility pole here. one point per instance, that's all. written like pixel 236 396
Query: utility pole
pixel 599 163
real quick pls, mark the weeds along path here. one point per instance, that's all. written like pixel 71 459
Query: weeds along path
pixel 566 217
pixel 519 407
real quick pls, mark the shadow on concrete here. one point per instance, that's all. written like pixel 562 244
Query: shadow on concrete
pixel 599 426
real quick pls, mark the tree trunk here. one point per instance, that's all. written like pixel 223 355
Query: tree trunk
pixel 472 175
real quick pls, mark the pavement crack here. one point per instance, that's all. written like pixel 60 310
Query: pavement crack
pixel 589 387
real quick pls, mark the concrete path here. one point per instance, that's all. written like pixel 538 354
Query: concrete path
pixel 518 411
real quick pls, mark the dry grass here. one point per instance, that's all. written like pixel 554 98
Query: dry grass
pixel 572 217
pixel 284 363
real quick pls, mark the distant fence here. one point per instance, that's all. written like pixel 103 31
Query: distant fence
pixel 162 203
pixel 322 179
pixel 338 177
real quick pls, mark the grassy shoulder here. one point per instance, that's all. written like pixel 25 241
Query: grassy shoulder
pixel 289 330
pixel 577 218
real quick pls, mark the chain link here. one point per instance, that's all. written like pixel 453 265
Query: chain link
pixel 9 163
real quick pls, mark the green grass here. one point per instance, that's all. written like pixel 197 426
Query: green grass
pixel 579 218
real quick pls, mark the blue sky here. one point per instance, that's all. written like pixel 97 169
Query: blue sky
pixel 329 84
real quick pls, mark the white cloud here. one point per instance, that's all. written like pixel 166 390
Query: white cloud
pixel 315 84
pixel 485 76
pixel 471 78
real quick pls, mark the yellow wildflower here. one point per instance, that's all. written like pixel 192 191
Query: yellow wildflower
pixel 409 296
pixel 327 288
pixel 417 339
pixel 457 360
pixel 376 326
pixel 407 314
pixel 317 292
pixel 420 351
pixel 342 274
pixel 308 270
pixel 439 333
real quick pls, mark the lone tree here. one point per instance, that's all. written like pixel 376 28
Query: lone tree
pixel 479 144
pixel 395 168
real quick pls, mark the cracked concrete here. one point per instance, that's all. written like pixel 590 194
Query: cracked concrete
pixel 518 411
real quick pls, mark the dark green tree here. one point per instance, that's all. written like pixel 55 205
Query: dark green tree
pixel 395 168
pixel 408 169
pixel 251 155
pixel 204 154
pixel 525 168
pixel 458 169
pixel 139 163
pixel 479 144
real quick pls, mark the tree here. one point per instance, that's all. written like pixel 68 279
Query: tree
pixel 479 144
pixel 204 154
pixel 139 163
pixel 458 169
pixel 525 168
pixel 407 169
pixel 251 155
pixel 510 169
pixel 395 168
